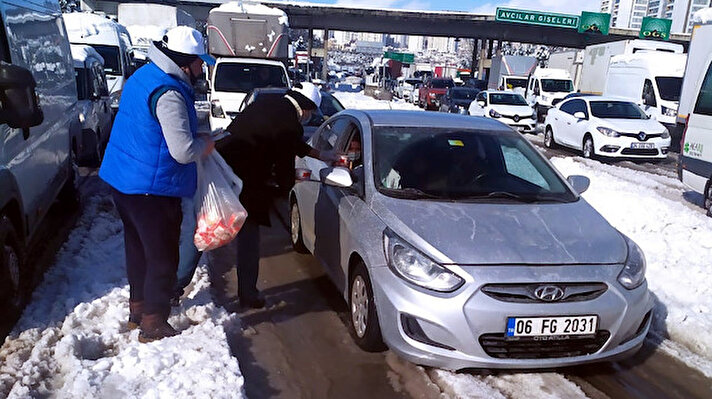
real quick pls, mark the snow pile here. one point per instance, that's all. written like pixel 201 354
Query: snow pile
pixel 143 35
pixel 361 101
pixel 518 385
pixel 81 52
pixel 702 17
pixel 677 241
pixel 81 25
pixel 249 7
pixel 72 340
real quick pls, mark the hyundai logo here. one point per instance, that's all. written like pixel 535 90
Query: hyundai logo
pixel 549 293
pixel 642 136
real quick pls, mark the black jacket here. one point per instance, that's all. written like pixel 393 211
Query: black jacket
pixel 263 141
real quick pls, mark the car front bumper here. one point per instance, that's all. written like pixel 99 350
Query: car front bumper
pixel 456 325
pixel 621 147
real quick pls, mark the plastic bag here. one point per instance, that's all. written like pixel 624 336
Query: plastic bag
pixel 220 215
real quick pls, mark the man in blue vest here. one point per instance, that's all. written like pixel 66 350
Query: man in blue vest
pixel 150 165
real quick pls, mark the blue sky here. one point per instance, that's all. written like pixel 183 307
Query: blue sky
pixel 478 6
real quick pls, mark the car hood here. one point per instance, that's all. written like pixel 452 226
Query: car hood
pixel 512 233
pixel 649 126
pixel 521 110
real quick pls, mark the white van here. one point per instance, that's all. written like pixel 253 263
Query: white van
pixel 695 164
pixel 35 143
pixel 233 78
pixel 94 105
pixel 546 88
pixel 653 80
pixel 109 39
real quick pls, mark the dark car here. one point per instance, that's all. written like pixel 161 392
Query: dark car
pixel 330 105
pixel 457 100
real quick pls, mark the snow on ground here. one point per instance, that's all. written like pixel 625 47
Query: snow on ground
pixel 362 101
pixel 72 340
pixel 677 242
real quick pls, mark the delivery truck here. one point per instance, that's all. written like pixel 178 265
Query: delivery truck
pixel 571 61
pixel 511 71
pixel 251 44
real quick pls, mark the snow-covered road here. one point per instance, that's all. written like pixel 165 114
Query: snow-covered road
pixel 72 342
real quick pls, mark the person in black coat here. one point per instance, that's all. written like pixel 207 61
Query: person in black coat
pixel 263 142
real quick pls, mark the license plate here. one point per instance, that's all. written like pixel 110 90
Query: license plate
pixel 550 326
pixel 645 146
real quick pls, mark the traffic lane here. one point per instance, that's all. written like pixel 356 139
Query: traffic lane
pixel 299 345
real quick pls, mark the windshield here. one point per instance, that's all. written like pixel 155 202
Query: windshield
pixel 669 88
pixel 451 164
pixel 413 81
pixel 443 84
pixel 464 94
pixel 516 82
pixel 330 105
pixel 112 60
pixel 557 85
pixel 616 110
pixel 507 99
pixel 243 78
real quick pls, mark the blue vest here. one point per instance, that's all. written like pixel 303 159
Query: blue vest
pixel 137 160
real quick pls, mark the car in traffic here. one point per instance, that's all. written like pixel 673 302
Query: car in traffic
pixel 405 87
pixel 432 91
pixel 330 106
pixel 508 107
pixel 607 127
pixel 458 245
pixel 94 105
pixel 457 100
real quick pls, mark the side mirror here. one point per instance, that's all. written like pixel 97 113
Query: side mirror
pixel 336 177
pixel 580 115
pixel 202 86
pixel 579 183
pixel 20 105
pixel 481 104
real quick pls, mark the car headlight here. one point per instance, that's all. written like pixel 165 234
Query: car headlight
pixel 666 134
pixel 115 97
pixel 669 111
pixel 608 132
pixel 633 273
pixel 495 114
pixel 414 267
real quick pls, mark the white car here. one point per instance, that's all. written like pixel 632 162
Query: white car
pixel 507 107
pixel 605 126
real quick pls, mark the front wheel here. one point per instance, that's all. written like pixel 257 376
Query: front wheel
pixel 364 317
pixel 549 141
pixel 295 229
pixel 588 150
pixel 13 279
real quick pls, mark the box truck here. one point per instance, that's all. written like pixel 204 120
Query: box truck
pixel 251 44
pixel 510 71
pixel 571 61
pixel 546 88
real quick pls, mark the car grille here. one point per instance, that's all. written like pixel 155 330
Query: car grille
pixel 636 135
pixel 501 347
pixel 518 117
pixel 640 151
pixel 524 293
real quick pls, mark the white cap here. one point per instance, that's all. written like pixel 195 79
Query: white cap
pixel 186 40
pixel 309 91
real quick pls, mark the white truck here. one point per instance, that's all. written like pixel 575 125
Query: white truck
pixel 511 71
pixel 111 40
pixel 546 88
pixel 149 22
pixel 571 60
pixel 597 59
pixel 653 80
pixel 251 44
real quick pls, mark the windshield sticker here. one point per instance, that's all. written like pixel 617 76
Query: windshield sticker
pixel 456 143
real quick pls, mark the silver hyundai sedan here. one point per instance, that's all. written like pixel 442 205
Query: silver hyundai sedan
pixel 458 245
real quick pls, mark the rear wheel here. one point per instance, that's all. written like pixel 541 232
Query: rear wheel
pixel 13 280
pixel 549 141
pixel 295 227
pixel 588 150
pixel 708 198
pixel 364 317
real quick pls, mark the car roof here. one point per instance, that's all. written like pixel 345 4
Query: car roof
pixel 600 98
pixel 397 118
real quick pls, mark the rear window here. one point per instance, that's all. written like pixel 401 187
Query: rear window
pixel 243 78
pixel 704 100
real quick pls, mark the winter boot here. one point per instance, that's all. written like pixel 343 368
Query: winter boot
pixel 135 313
pixel 154 327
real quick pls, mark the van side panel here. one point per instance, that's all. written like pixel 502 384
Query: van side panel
pixel 696 153
pixel 40 163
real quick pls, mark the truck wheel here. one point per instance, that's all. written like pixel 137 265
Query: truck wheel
pixel 364 318
pixel 13 279
pixel 708 198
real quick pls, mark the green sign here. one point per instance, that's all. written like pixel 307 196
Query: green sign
pixel 405 58
pixel 655 28
pixel 594 22
pixel 537 18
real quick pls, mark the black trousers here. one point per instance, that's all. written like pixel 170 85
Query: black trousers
pixel 151 237
pixel 248 259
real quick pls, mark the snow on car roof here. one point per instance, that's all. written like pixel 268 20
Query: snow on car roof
pixel 248 7
pixel 660 63
pixel 142 35
pixel 89 28
pixel 551 73
pixel 702 17
pixel 81 52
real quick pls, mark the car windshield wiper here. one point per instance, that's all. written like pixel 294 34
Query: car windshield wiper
pixel 409 193
pixel 497 194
